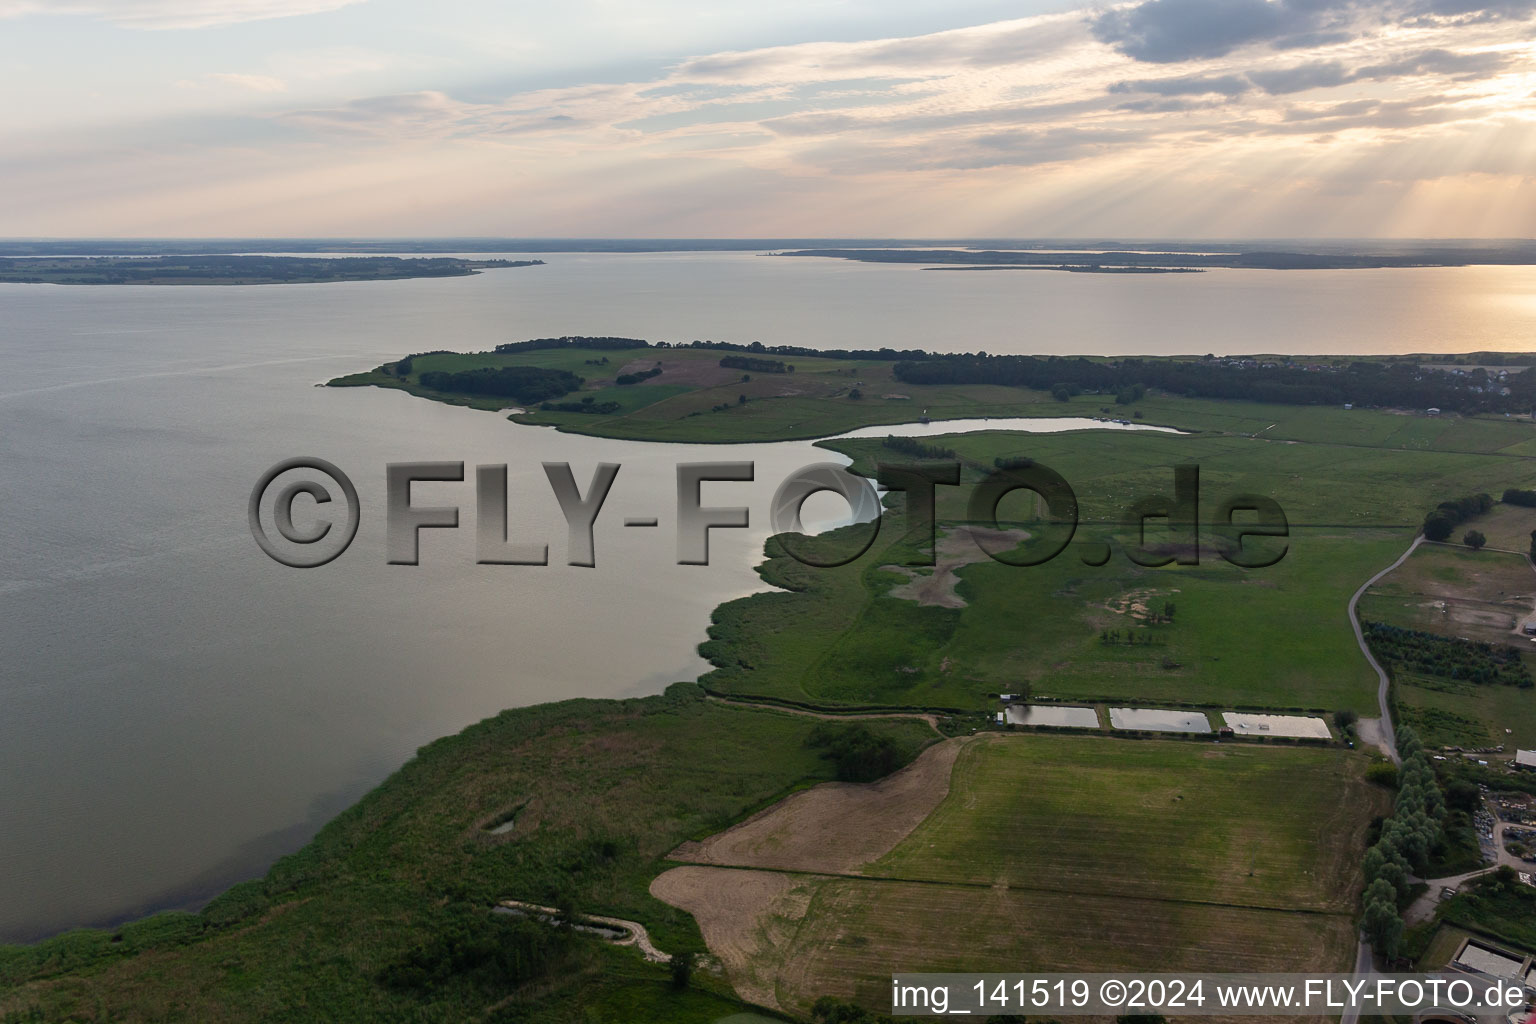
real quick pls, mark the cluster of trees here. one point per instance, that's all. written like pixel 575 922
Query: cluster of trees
pixel 1445 657
pixel 1407 839
pixel 917 449
pixel 888 355
pixel 1365 383
pixel 490 952
pixel 625 379
pixel 755 365
pixel 1515 496
pixel 856 753
pixel 586 405
pixel 573 341
pixel 1012 462
pixel 828 1010
pixel 522 383
pixel 1441 521
pixel 1113 637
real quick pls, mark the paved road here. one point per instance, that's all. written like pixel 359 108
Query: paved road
pixel 1384 735
pixel 1385 739
pixel 1364 968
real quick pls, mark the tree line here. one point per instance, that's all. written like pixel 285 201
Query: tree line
pixel 625 379
pixel 752 364
pixel 571 341
pixel 1408 837
pixel 1442 520
pixel 1360 383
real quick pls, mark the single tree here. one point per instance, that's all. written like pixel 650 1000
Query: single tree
pixel 1474 539
pixel 682 970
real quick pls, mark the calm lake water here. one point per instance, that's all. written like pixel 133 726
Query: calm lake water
pixel 176 710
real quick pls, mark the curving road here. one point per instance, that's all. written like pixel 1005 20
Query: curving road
pixel 636 935
pixel 1385 738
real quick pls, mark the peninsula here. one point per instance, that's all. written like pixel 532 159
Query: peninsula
pixel 236 269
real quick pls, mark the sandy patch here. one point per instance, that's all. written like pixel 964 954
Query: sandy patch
pixel 747 918
pixel 957 547
pixel 836 827
pixel 1137 603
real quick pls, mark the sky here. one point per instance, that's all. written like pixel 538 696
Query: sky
pixel 840 118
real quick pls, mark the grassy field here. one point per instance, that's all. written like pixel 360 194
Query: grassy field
pixel 605 788
pixel 1273 637
pixel 1051 852
pixel 1453 591
pixel 1507 526
pixel 1210 823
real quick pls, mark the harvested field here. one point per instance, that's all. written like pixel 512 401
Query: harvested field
pixel 856 932
pixel 693 372
pixel 1047 853
pixel 835 827
pixel 743 915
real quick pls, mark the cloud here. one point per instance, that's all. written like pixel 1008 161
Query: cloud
pixel 1440 62
pixel 172 14
pixel 256 83
pixel 1167 31
pixel 1191 99
pixel 1316 75
pixel 1475 10
pixel 1224 85
pixel 1173 31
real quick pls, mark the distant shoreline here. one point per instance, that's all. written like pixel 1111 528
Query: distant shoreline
pixel 1186 259
pixel 1071 269
pixel 236 269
